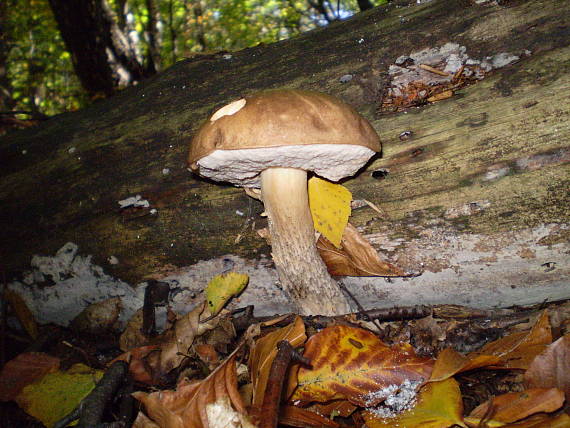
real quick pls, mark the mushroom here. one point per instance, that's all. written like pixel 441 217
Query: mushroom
pixel 270 140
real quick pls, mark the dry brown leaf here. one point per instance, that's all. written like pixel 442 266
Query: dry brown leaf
pixel 186 406
pixel 22 312
pixel 264 351
pixel 132 336
pixel 514 406
pixel 440 96
pixel 356 257
pixel 186 329
pixel 518 350
pixel 543 420
pixel 23 370
pixel 98 318
pixel 139 366
pixel 450 362
pixel 551 369
pixel 297 417
pixel 352 363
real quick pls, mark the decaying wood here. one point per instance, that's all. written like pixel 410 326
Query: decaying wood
pixel 476 196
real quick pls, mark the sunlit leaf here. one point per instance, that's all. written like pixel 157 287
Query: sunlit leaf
pixel 439 405
pixel 355 257
pixel 352 363
pixel 330 207
pixel 223 287
pixel 57 394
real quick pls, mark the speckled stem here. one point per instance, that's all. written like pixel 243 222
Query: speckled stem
pixel 301 270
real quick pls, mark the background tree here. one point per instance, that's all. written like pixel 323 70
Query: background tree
pixel 56 54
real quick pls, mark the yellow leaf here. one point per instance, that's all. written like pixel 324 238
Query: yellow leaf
pixel 439 406
pixel 222 288
pixel 330 207
pixel 57 394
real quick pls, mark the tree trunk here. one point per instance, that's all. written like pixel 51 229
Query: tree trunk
pixel 475 195
pixel 102 55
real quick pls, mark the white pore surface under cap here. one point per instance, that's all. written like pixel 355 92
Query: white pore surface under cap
pixel 242 167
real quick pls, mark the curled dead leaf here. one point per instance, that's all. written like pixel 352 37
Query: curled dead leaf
pixel 356 257
pixel 186 407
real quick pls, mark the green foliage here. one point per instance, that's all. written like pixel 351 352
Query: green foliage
pixel 40 69
pixel 38 66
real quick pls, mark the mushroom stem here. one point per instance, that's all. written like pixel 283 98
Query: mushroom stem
pixel 301 270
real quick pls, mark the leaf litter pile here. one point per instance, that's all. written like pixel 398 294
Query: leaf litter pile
pixel 212 368
pixel 441 366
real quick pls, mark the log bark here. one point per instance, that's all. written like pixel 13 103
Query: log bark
pixel 477 199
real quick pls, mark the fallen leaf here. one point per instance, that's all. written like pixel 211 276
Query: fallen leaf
pixel 57 394
pixel 186 329
pixel 542 420
pixel 551 369
pixel 221 415
pixel 518 350
pixel 355 257
pixel 440 96
pixel 22 312
pixel 353 364
pixel 298 417
pixel 450 362
pixel 439 405
pixel 330 208
pixel 23 370
pixel 139 367
pixel 514 406
pixel 98 318
pixel 222 288
pixel 264 352
pixel 185 407
pixel 132 336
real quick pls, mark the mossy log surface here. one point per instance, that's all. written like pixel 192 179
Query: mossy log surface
pixel 492 159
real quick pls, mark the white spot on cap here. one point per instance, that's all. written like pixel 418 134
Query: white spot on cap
pixel 228 110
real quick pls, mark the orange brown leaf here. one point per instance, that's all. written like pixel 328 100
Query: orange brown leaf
pixel 355 257
pixel 518 350
pixel 352 363
pixel 264 351
pixel 551 369
pixel 186 406
pixel 514 406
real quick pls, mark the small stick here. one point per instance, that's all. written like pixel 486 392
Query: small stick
pixel 376 208
pixel 433 70
pixel 272 397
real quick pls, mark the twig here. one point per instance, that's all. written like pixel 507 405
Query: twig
pixel 90 410
pixel 433 70
pixel 156 293
pixel 272 398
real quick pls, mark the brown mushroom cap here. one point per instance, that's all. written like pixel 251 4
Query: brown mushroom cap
pixel 282 128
